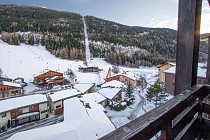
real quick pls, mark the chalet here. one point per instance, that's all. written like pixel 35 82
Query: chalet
pixel 112 94
pixel 170 77
pixel 81 122
pixel 8 89
pixel 89 69
pixel 84 88
pixel 94 97
pixel 125 78
pixel 19 110
pixel 162 68
pixel 56 99
pixel 48 78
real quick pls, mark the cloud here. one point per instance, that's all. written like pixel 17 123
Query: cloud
pixel 172 23
pixel 168 23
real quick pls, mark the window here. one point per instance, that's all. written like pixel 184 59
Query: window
pixel 31 107
pixel 58 106
pixel 20 111
pixel 43 111
pixel 3 115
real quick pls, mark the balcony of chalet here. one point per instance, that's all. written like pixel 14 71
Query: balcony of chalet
pixel 187 115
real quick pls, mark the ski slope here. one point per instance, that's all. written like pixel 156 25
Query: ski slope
pixel 25 61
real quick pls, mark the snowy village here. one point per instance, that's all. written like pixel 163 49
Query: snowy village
pixel 46 96
pixel 44 90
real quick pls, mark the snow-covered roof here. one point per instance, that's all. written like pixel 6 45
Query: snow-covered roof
pixel 171 63
pixel 41 72
pixel 63 94
pixel 93 97
pixel 109 93
pixel 79 123
pixel 201 71
pixel 83 87
pixel 201 64
pixel 127 74
pixel 44 71
pixel 6 83
pixel 18 102
pixel 113 83
pixel 170 70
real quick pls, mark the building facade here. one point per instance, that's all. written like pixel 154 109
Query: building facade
pixel 19 110
pixel 162 68
pixel 8 89
pixel 170 78
pixel 124 78
pixel 48 78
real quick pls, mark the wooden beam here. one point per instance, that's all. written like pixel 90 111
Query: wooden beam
pixel 208 63
pixel 160 118
pixel 206 128
pixel 188 37
pixel 196 41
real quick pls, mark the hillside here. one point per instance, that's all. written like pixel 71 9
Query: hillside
pixel 63 35
pixel 154 45
pixel 60 32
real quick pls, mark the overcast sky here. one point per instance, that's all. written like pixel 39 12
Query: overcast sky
pixel 147 13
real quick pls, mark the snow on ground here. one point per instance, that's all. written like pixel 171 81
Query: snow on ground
pixel 25 61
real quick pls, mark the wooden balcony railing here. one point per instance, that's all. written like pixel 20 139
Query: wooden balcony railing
pixel 183 117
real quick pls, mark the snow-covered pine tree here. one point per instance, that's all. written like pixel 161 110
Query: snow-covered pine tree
pixel 70 75
pixel 156 93
pixel 1 72
pixel 129 91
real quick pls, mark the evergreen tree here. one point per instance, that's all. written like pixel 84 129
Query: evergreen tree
pixel 1 72
pixel 129 91
pixel 156 93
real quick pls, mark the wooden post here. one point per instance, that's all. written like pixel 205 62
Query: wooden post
pixel 208 63
pixel 196 41
pixel 188 41
pixel 200 118
pixel 166 131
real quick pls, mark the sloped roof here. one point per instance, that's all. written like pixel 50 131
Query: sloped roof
pixel 109 93
pixel 79 123
pixel 44 71
pixel 171 63
pixel 93 97
pixel 201 71
pixel 6 83
pixel 127 74
pixel 113 83
pixel 83 87
pixel 18 102
pixel 63 94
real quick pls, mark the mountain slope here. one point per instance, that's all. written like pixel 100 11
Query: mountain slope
pixel 62 34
